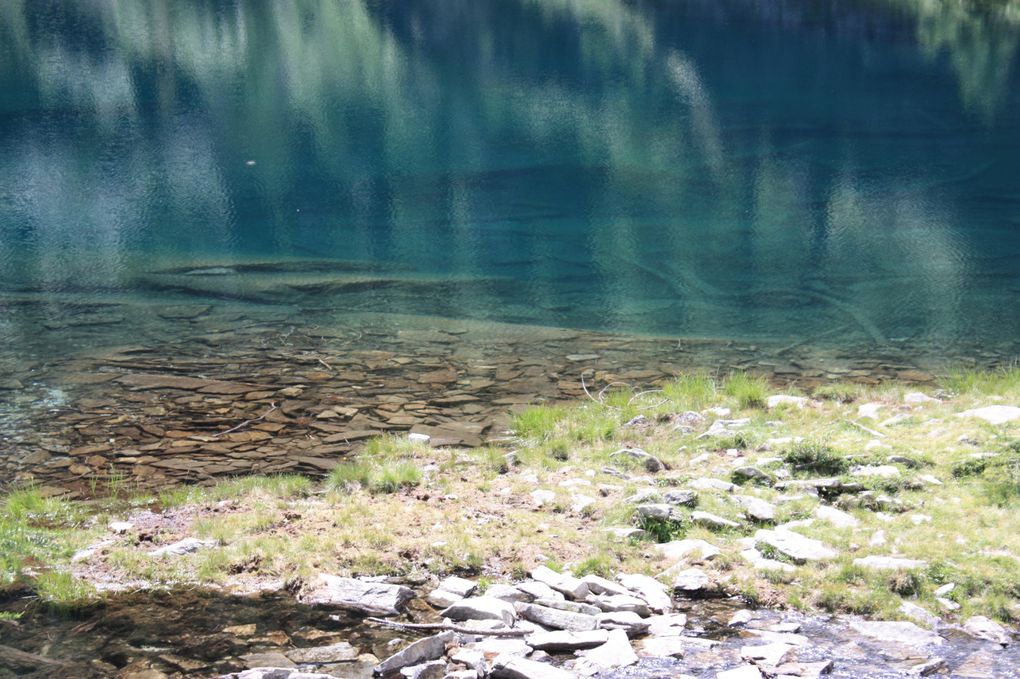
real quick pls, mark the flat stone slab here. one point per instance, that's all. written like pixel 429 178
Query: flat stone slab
pixel 901 632
pixel 508 667
pixel 482 608
pixel 377 598
pixel 562 640
pixel 689 550
pixel 795 546
pixel 416 653
pixel 993 414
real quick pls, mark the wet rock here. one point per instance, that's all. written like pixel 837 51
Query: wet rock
pixel 267 659
pixel 181 547
pixel 434 669
pixel 560 641
pixel 565 584
pixel 509 667
pixel 767 654
pixel 795 546
pixel 338 652
pixel 743 672
pixel 482 608
pixel 906 633
pixel 993 414
pixel 688 550
pixel 978 665
pixel 889 563
pixel 804 670
pixel 663 647
pixel 555 618
pixel 650 462
pixel 376 598
pixel 416 653
pixel 615 653
pixel 984 628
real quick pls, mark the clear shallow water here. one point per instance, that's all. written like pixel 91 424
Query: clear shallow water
pixel 837 173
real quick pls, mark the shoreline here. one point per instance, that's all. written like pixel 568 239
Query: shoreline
pixel 840 502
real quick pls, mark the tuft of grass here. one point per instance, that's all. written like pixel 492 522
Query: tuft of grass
pixel 983 382
pixel 750 391
pixel 376 476
pixel 815 458
pixel 690 392
pixel 838 391
pixel 61 591
pixel 538 422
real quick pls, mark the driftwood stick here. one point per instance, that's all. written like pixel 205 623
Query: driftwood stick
pixel 247 422
pixel 448 627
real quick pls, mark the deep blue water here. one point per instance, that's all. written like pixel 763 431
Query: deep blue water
pixel 813 170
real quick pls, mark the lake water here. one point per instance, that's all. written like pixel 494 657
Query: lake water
pixel 429 213
pixel 834 173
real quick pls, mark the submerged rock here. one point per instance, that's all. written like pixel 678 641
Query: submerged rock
pixel 984 628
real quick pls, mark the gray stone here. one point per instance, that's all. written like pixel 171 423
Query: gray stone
pixel 712 521
pixel 804 670
pixel 687 498
pixel 649 589
pixel 619 602
pixel 889 563
pixel 751 475
pixel 984 628
pixel 758 560
pixel 882 471
pixel 416 653
pixel 377 598
pixel 538 590
pixel 767 654
pixel 629 622
pixel 795 546
pixel 756 508
pixel 906 633
pixel 435 669
pixel 690 580
pixel 785 400
pixel 557 619
pixel 659 512
pixel 482 608
pixel 338 652
pixel 271 673
pixel 562 640
pixel 510 667
pixel 688 550
pixel 918 613
pixel 712 484
pixel 836 517
pixel 267 659
pixel 567 585
pixel 507 593
pixel 649 461
pixel 441 599
pixel 993 414
pixel 572 606
pixel 461 586
pixel 615 653
pixel 599 585
pixel 181 547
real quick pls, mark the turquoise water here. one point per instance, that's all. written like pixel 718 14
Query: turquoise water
pixel 813 171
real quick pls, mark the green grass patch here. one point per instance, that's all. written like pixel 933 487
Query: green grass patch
pixel 750 391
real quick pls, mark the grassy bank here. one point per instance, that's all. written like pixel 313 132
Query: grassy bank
pixel 917 480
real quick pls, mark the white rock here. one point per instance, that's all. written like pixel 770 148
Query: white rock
pixel 599 585
pixel 718 412
pixel 579 503
pixel 945 589
pixel 419 438
pixel 663 647
pixel 836 517
pixel 688 550
pixel 181 547
pixel 371 597
pixel 615 653
pixel 889 563
pixel 916 397
pixel 947 604
pixel 629 622
pixel 461 586
pixel 756 508
pixel 743 672
pixel 538 590
pixel 121 527
pixel 556 618
pixel 795 546
pixel 567 585
pixel 667 625
pixel 482 608
pixel 985 628
pixel 712 521
pixel 993 414
pixel 906 633
pixel 869 411
pixel 512 667
pixel 442 599
pixel 875 444
pixel 690 580
pixel 919 613
pixel 563 640
pixel 542 497
pixel 768 654
pixel 470 657
pixel 620 602
pixel 877 538
pixel 712 484
pixel 758 560
pixel 882 471
pixel 741 618
pixel 649 589
pixel 929 479
pixel 785 400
